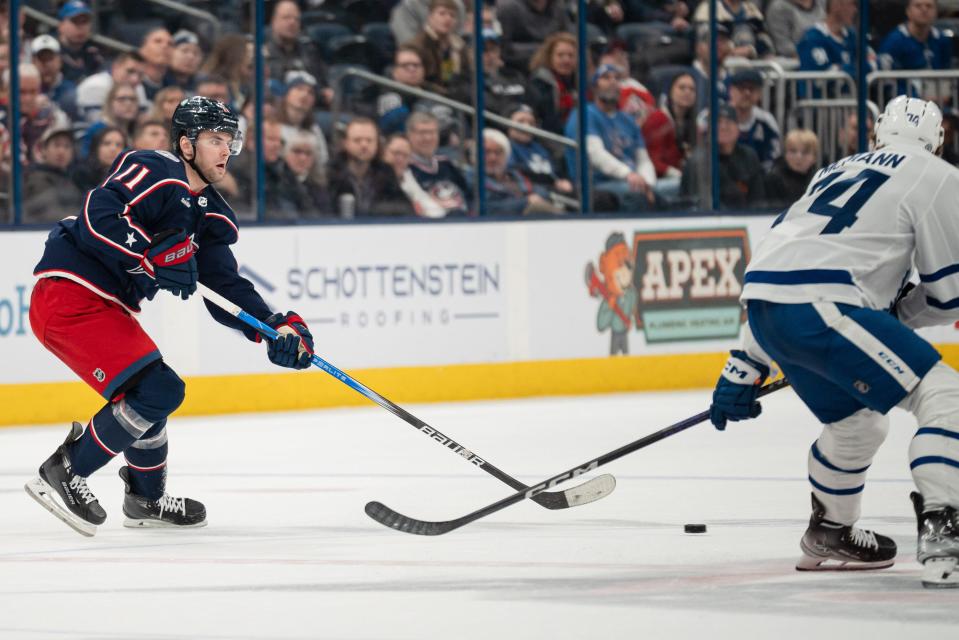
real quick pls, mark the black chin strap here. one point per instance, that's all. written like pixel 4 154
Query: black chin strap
pixel 192 164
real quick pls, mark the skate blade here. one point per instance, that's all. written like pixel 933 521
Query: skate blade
pixel 49 499
pixel 149 523
pixel 940 573
pixel 814 563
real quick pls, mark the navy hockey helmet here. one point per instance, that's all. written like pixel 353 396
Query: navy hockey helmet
pixel 200 113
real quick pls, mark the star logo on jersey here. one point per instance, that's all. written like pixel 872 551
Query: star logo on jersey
pixel 201 201
pixel 131 239
pixel 186 202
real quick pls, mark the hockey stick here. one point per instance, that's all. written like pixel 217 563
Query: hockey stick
pixel 395 520
pixel 589 491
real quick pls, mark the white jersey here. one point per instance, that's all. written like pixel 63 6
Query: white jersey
pixel 859 230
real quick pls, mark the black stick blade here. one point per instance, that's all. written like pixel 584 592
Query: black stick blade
pixel 395 520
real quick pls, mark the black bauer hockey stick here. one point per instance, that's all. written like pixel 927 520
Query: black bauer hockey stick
pixel 395 520
pixel 589 491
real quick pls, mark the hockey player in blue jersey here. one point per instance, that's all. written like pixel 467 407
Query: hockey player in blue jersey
pixel 156 223
pixel 826 299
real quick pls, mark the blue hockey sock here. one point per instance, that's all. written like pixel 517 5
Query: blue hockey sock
pixel 114 428
pixel 146 461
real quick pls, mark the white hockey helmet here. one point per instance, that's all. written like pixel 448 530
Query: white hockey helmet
pixel 908 120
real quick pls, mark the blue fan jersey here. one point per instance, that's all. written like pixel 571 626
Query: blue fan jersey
pixel 147 192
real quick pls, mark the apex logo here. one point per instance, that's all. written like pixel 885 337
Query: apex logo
pixel 705 273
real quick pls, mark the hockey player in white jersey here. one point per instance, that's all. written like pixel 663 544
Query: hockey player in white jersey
pixel 827 299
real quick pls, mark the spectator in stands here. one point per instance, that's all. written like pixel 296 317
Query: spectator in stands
pixel 746 25
pixel 670 134
pixel 442 49
pixel 435 173
pixel 788 20
pixel 81 57
pixel 741 184
pixel 215 88
pixel 120 110
pixel 791 173
pixel 701 65
pixel 490 21
pixel 299 154
pixel 528 25
pixel 287 50
pixel 504 87
pixel 46 57
pixel 674 13
pixel 150 134
pixel 615 146
pixel 279 182
pixel 757 127
pixel 394 107
pixel 634 98
pixel 361 184
pixel 156 48
pixel 950 127
pixel 848 135
pixel 530 157
pixel 231 61
pixel 106 145
pixel 126 68
pixel 296 110
pixel 37 112
pixel 508 191
pixel 605 14
pixel 397 153
pixel 552 89
pixel 917 44
pixel 831 45
pixel 185 61
pixel 49 193
pixel 409 16
pixel 165 104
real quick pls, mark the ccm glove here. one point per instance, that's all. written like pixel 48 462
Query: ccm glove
pixel 170 261
pixel 294 347
pixel 734 397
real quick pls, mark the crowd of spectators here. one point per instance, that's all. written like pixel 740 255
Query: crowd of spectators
pixel 403 150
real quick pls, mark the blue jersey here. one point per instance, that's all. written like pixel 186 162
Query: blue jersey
pixel 619 132
pixel 147 192
pixel 820 50
pixel 761 132
pixel 533 160
pixel 900 50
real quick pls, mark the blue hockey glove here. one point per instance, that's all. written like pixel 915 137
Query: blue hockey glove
pixel 294 347
pixel 734 397
pixel 169 260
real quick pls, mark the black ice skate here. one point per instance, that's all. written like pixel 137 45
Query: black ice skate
pixel 65 494
pixel 938 547
pixel 830 546
pixel 165 511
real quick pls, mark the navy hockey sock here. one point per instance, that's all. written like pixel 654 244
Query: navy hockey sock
pixel 114 428
pixel 146 461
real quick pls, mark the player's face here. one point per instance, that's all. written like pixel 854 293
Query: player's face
pixel 212 154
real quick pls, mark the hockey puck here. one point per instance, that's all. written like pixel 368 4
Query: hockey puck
pixel 694 528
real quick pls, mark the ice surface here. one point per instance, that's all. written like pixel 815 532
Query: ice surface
pixel 289 552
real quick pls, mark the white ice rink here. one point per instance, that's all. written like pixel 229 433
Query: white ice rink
pixel 289 552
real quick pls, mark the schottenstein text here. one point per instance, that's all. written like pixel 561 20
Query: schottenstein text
pixel 449 443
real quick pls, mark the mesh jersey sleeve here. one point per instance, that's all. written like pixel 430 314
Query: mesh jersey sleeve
pixel 936 299
pixel 118 215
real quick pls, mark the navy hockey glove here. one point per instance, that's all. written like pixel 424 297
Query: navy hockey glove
pixel 294 347
pixel 734 397
pixel 169 260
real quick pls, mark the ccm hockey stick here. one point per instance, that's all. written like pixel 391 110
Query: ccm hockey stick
pixel 589 491
pixel 395 520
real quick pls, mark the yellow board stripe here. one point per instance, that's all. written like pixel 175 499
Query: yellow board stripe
pixel 43 403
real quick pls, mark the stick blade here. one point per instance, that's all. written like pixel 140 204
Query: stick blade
pixel 396 520
pixel 591 490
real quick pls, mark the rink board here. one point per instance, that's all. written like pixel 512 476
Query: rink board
pixel 435 312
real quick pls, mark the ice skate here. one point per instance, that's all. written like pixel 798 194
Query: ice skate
pixel 65 494
pixel 830 546
pixel 937 549
pixel 163 512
